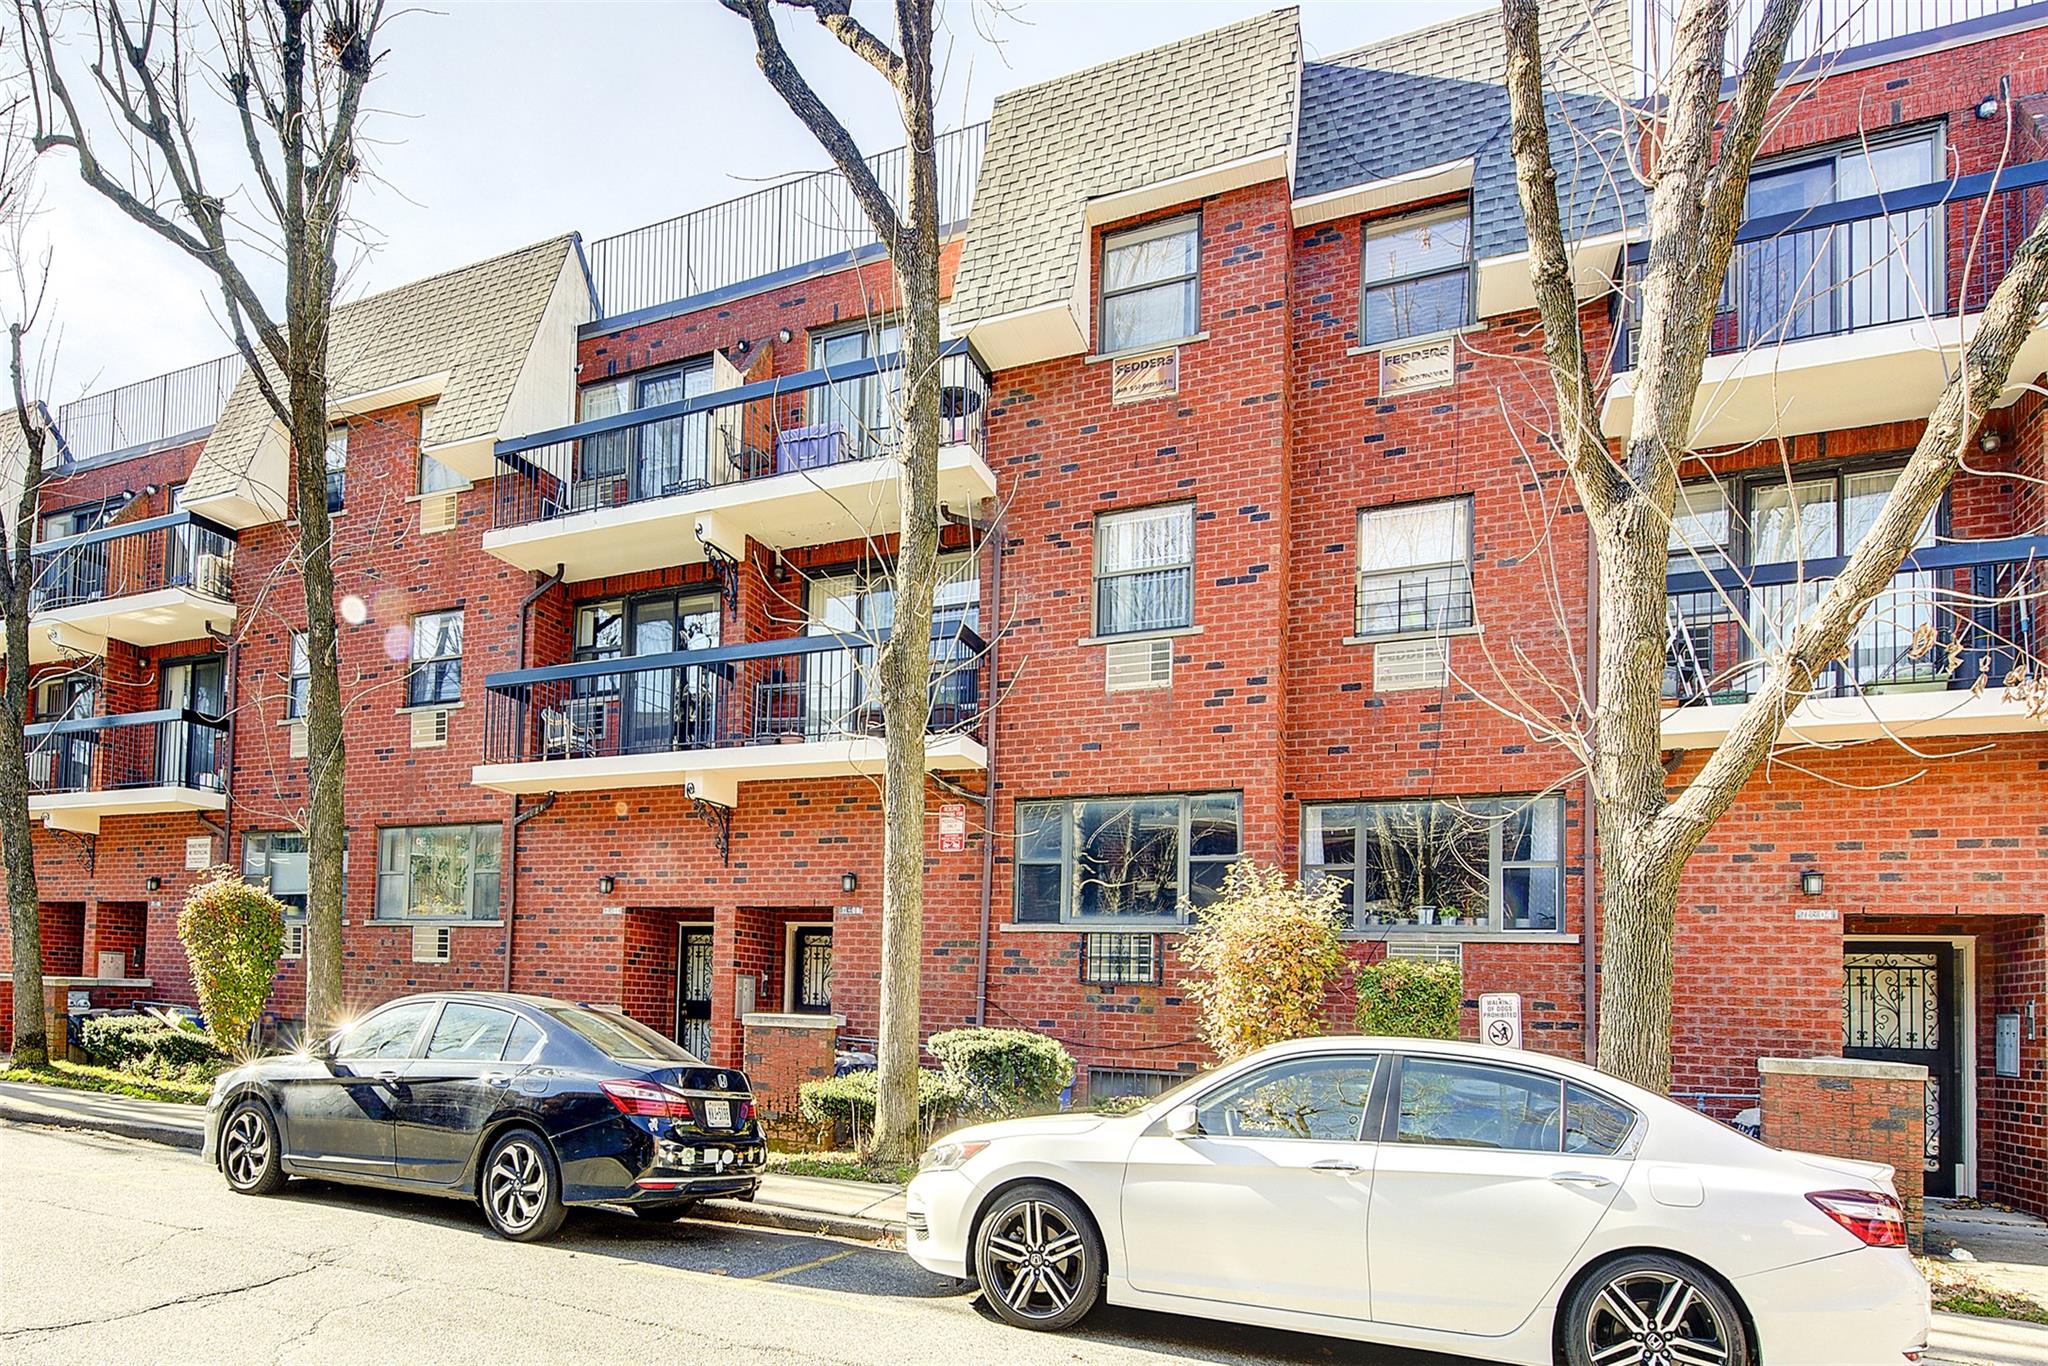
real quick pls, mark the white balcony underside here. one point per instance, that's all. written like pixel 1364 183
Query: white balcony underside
pixel 843 502
pixel 163 617
pixel 83 811
pixel 1878 716
pixel 1891 373
pixel 715 774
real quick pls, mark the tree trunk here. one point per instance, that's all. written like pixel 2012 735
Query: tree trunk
pixel 17 842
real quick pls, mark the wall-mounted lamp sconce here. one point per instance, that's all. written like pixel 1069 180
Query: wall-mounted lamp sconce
pixel 605 884
pixel 1810 882
pixel 154 884
pixel 849 883
pixel 1987 108
pixel 785 336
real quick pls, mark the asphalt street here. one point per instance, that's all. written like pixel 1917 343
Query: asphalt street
pixel 117 1251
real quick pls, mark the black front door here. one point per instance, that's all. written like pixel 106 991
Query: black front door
pixel 810 969
pixel 1900 1003
pixel 693 989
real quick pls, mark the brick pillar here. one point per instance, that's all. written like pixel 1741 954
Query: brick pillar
pixel 782 1053
pixel 1854 1108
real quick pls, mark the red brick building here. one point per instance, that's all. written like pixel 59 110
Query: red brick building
pixel 1255 549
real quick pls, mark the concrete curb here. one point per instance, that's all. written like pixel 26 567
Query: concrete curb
pixel 123 1128
pixel 794 1220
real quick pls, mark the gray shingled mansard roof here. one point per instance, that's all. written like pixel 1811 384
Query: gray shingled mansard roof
pixel 1435 96
pixel 1189 106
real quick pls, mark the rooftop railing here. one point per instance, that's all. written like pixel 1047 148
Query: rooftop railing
pixel 770 692
pixel 174 747
pixel 1926 252
pixel 177 550
pixel 760 235
pixel 150 412
pixel 788 426
pixel 1954 615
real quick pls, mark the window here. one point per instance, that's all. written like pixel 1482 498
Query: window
pixel 863 602
pixel 1313 1098
pixel 861 411
pixel 1593 1124
pixel 337 466
pixel 1109 1083
pixel 1145 570
pixel 1122 858
pixel 1120 959
pixel 1415 568
pixel 1479 864
pixel 299 682
pixel 1151 284
pixel 434 477
pixel 470 1033
pixel 387 1034
pixel 620 1038
pixel 525 1042
pixel 76 521
pixel 438 872
pixel 435 678
pixel 1700 527
pixel 1417 275
pixel 1474 1105
pixel 278 862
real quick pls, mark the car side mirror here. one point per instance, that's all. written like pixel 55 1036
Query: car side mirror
pixel 1183 1121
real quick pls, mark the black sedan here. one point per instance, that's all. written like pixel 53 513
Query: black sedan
pixel 522 1103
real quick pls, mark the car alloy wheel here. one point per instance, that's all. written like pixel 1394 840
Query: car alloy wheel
pixel 516 1186
pixel 1648 1316
pixel 246 1152
pixel 1035 1262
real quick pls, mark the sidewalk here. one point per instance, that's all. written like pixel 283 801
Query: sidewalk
pixel 808 1204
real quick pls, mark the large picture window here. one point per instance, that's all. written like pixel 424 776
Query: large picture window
pixel 1415 568
pixel 1118 860
pixel 1151 284
pixel 1458 864
pixel 435 678
pixel 1417 275
pixel 438 872
pixel 1145 570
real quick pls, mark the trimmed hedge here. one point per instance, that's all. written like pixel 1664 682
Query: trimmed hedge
pixel 1004 1071
pixel 150 1048
pixel 847 1103
pixel 1411 998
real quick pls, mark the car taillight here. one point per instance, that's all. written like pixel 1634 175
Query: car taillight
pixel 1872 1216
pixel 742 1112
pixel 646 1099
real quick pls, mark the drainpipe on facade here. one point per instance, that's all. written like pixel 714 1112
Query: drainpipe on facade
pixel 1588 957
pixel 508 895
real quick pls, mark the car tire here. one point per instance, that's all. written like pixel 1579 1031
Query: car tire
pixel 520 1187
pixel 251 1155
pixel 1038 1258
pixel 1655 1302
pixel 664 1213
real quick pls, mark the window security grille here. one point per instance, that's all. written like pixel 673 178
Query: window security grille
pixel 1120 959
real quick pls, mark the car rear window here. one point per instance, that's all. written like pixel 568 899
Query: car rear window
pixel 620 1038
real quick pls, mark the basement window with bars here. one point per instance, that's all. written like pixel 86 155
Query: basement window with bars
pixel 1415 568
pixel 1494 863
pixel 1120 959
pixel 438 872
pixel 1109 862
pixel 1114 1083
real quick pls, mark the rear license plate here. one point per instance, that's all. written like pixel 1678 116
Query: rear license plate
pixel 718 1114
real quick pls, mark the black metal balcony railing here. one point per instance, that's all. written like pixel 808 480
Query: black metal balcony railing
pixel 778 229
pixel 175 747
pixel 1953 615
pixel 150 412
pixel 763 693
pixel 177 550
pixel 1927 252
pixel 788 426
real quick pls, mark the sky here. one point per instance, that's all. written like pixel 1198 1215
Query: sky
pixel 499 124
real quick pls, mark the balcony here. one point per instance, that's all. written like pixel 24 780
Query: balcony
pixel 152 582
pixel 139 764
pixel 801 460
pixel 1847 314
pixel 1956 617
pixel 709 720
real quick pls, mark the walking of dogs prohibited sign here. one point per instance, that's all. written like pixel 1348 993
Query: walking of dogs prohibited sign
pixel 1500 1019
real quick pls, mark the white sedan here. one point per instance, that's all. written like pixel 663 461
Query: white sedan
pixel 1508 1205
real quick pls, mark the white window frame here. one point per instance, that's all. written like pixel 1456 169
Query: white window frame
pixel 1149 232
pixel 416 663
pixel 1458 570
pixel 1381 227
pixel 1103 575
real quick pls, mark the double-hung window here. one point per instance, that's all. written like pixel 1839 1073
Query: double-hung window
pixel 1415 568
pixel 299 682
pixel 1118 860
pixel 337 466
pixel 1417 275
pixel 1151 284
pixel 434 477
pixel 1464 864
pixel 438 872
pixel 1145 570
pixel 435 678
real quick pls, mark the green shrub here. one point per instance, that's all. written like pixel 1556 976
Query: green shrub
pixel 1120 1105
pixel 1004 1071
pixel 137 1043
pixel 232 933
pixel 847 1104
pixel 1261 958
pixel 1407 997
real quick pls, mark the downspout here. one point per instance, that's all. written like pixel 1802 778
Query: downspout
pixel 988 797
pixel 1588 956
pixel 508 899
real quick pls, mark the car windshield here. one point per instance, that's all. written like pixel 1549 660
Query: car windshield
pixel 622 1039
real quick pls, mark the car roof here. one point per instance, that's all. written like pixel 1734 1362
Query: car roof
pixel 1459 1048
pixel 495 998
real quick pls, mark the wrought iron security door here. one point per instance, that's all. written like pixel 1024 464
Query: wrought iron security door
pixel 693 989
pixel 1899 1005
pixel 811 962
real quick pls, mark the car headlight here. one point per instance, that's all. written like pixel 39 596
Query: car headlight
pixel 944 1157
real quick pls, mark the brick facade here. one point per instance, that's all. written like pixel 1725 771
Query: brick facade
pixel 1868 1111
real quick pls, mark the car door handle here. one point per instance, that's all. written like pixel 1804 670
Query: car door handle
pixel 1335 1164
pixel 388 1078
pixel 1592 1179
pixel 497 1079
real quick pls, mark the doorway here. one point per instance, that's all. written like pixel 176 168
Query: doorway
pixel 693 989
pixel 1902 1001
pixel 189 753
pixel 810 969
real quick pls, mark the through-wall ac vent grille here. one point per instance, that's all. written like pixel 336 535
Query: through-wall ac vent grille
pixel 1134 665
pixel 1426 951
pixel 437 512
pixel 294 939
pixel 1406 664
pixel 429 729
pixel 298 739
pixel 430 943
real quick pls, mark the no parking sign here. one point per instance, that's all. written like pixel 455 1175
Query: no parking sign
pixel 1500 1019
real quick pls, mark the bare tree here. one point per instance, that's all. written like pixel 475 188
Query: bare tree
pixel 1697 143
pixel 292 73
pixel 910 233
